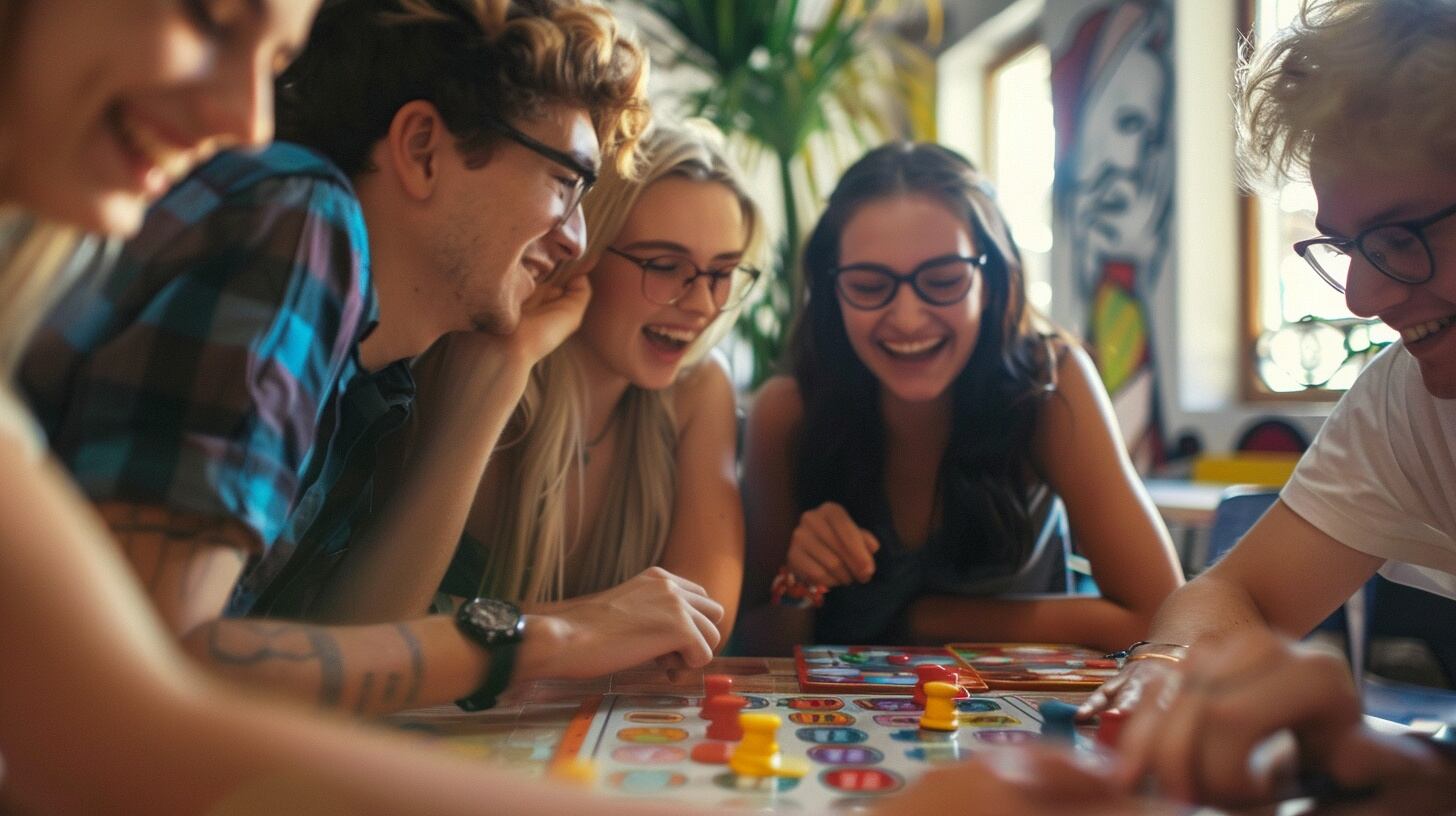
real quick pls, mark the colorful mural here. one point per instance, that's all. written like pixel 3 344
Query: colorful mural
pixel 1112 93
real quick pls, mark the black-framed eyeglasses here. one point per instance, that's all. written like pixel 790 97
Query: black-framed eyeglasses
pixel 666 278
pixel 940 281
pixel 585 176
pixel 1398 250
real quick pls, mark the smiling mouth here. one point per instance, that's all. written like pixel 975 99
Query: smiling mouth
pixel 674 339
pixel 914 349
pixel 145 144
pixel 1417 333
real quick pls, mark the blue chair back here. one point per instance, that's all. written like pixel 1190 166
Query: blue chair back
pixel 1237 510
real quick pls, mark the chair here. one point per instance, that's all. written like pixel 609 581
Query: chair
pixel 1238 509
pixel 1401 611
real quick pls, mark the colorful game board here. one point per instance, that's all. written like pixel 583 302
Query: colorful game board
pixel 1036 666
pixel 873 669
pixel 858 747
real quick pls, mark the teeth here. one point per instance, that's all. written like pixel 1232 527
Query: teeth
pixel 913 347
pixel 682 336
pixel 1420 332
pixel 171 161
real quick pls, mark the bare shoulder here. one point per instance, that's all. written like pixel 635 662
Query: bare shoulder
pixel 1079 409
pixel 704 390
pixel 777 403
pixel 1075 369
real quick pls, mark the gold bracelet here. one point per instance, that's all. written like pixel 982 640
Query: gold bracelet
pixel 1153 656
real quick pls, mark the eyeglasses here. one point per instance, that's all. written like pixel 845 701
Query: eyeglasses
pixel 585 176
pixel 939 281
pixel 666 278
pixel 1399 251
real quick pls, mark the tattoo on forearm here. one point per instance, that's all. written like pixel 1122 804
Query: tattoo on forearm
pixel 417 662
pixel 331 666
pixel 266 642
pixel 365 686
pixel 391 685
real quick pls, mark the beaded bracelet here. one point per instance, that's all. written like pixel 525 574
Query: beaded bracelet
pixel 789 589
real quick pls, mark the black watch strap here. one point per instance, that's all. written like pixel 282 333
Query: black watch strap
pixel 502 665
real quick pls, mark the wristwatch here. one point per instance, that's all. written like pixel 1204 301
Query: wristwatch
pixel 498 627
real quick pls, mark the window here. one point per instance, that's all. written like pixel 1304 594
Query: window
pixel 1304 341
pixel 1021 153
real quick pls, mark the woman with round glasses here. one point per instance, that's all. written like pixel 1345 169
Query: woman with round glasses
pixel 899 476
pixel 619 464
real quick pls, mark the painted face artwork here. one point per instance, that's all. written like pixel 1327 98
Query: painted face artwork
pixel 150 89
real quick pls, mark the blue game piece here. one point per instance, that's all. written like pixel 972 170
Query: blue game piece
pixel 1058 720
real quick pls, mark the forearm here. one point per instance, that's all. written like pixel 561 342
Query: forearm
pixel 1097 622
pixel 360 669
pixel 375 669
pixel 1204 606
pixel 395 563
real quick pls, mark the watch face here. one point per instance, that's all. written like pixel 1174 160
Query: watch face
pixel 493 618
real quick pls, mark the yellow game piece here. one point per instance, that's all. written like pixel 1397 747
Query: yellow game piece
pixel 940 707
pixel 574 770
pixel 757 754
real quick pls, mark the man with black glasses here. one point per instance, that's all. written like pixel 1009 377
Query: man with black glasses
pixel 1357 93
pixel 222 396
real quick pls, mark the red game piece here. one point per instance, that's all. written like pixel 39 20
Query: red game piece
pixel 722 714
pixel 714 685
pixel 1109 727
pixel 712 753
pixel 928 672
pixel 898 659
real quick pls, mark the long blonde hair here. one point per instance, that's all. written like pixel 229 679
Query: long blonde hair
pixel 526 557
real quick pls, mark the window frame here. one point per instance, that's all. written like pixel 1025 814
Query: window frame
pixel 1251 387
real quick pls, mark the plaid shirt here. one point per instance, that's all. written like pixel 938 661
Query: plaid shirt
pixel 198 372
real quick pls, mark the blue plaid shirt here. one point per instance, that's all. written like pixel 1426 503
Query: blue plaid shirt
pixel 198 372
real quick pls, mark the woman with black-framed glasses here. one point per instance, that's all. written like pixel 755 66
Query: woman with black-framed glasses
pixel 907 474
pixel 619 464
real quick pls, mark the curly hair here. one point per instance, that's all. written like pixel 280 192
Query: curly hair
pixel 1354 79
pixel 474 60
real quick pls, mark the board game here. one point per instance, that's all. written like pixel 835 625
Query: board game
pixel 857 747
pixel 1036 666
pixel 636 734
pixel 873 669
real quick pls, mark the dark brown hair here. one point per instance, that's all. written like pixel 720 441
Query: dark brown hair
pixel 982 476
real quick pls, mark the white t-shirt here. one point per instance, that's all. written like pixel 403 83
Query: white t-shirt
pixel 1381 475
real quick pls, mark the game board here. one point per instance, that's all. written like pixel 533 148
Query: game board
pixel 873 669
pixel 1036 666
pixel 858 747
